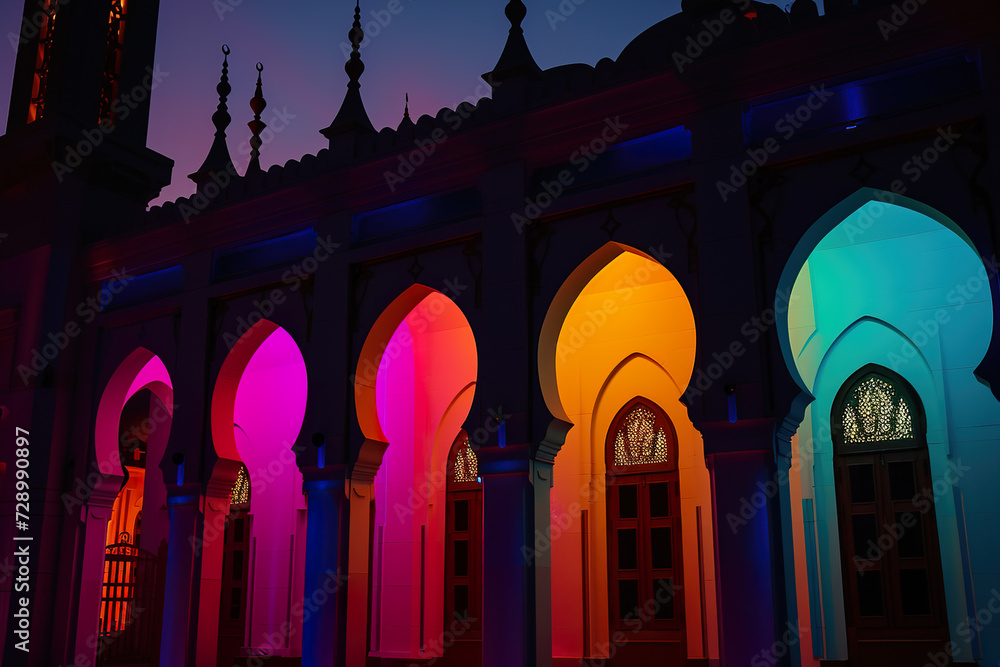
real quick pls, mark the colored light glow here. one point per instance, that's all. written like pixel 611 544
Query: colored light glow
pixel 623 327
pixel 270 403
pixel 423 392
pixel 860 297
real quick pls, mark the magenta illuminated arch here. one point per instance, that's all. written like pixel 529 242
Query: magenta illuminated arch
pixel 264 346
pixel 371 358
pixel 141 370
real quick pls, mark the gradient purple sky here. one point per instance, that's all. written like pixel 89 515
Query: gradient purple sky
pixel 435 50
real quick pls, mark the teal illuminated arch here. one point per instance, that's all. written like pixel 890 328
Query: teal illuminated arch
pixel 882 204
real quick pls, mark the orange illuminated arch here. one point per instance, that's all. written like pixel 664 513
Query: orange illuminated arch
pixel 614 267
pixel 621 329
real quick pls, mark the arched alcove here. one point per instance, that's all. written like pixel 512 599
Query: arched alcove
pixel 258 405
pixel 131 431
pixel 885 280
pixel 414 389
pixel 620 326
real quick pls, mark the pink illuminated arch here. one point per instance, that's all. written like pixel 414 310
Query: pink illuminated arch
pixel 376 344
pixel 414 388
pixel 258 406
pixel 141 370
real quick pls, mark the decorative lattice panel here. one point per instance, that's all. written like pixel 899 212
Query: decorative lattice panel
pixel 875 412
pixel 466 464
pixel 639 440
pixel 240 494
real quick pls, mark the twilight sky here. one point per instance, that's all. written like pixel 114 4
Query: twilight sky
pixel 435 50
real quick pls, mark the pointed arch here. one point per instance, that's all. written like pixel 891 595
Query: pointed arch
pixel 871 287
pixel 414 387
pixel 140 370
pixel 587 277
pixel 860 214
pixel 877 408
pixel 257 411
pixel 375 347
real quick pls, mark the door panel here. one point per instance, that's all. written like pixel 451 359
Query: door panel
pixel 893 586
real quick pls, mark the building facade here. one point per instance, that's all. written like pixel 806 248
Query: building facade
pixel 684 358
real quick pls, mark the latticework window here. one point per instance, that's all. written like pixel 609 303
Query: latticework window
pixel 43 59
pixel 240 494
pixel 466 464
pixel 875 412
pixel 113 59
pixel 640 440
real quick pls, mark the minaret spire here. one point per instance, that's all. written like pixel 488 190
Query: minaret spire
pixel 218 159
pixel 406 109
pixel 352 116
pixel 257 104
pixel 516 58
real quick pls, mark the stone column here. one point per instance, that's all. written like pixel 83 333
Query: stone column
pixel 178 604
pixel 747 526
pixel 517 580
pixel 325 506
pixel 360 491
pixel 211 547
pixel 96 514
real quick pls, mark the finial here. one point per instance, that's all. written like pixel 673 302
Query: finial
pixel 352 116
pixel 515 11
pixel 257 104
pixel 516 58
pixel 218 159
pixel 355 67
pixel 221 117
pixel 406 109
